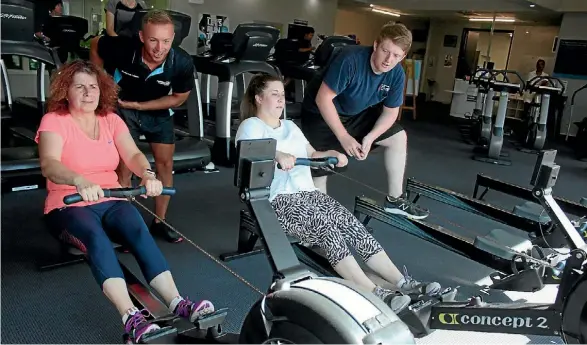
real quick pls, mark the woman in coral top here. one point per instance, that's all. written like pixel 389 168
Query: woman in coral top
pixel 81 142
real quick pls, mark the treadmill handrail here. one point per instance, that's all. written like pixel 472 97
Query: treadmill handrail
pixel 32 50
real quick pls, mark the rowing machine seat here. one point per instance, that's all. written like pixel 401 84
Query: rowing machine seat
pixel 496 241
pixel 532 211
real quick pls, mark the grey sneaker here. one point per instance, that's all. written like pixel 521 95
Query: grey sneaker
pixel 404 207
pixel 410 286
pixel 395 300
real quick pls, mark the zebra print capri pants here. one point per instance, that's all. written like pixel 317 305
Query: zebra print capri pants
pixel 317 219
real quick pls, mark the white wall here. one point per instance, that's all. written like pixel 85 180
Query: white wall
pixel 366 25
pixel 529 43
pixel 499 51
pixel 574 27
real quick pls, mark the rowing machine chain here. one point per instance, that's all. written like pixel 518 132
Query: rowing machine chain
pixel 526 256
pixel 238 276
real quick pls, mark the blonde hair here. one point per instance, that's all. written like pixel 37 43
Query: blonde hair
pixel 158 17
pixel 256 87
pixel 399 34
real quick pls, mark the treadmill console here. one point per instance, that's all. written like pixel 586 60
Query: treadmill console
pixel 330 47
pixel 66 31
pixel 253 42
pixel 287 51
pixel 17 20
pixel 181 21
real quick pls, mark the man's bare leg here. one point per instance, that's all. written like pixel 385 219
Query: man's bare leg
pixel 163 154
pixel 395 158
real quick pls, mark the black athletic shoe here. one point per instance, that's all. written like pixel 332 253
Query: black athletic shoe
pixel 404 207
pixel 163 231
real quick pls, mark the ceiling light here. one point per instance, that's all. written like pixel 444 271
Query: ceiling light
pixel 498 20
pixel 532 5
pixel 385 12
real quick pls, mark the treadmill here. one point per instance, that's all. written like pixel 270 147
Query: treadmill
pixel 245 50
pixel 302 67
pixel 19 159
pixel 66 33
pixel 191 152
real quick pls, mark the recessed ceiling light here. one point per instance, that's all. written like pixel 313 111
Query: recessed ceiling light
pixel 532 5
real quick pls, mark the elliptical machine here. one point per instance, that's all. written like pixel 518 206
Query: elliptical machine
pixel 492 153
pixel 480 130
pixel 580 144
pixel 534 133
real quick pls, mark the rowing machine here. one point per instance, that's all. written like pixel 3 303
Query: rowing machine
pixel 514 317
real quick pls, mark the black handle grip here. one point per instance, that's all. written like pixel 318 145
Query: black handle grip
pixel 315 162
pixel 117 193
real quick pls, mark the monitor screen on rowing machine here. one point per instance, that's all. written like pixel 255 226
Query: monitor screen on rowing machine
pixel 545 158
pixel 261 152
pixel 18 20
pixel 181 21
pixel 253 42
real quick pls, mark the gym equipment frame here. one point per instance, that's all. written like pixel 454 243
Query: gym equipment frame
pixel 490 183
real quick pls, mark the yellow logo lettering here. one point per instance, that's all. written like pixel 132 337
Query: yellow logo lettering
pixel 448 319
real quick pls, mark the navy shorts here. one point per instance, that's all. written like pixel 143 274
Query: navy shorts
pixel 322 138
pixel 157 127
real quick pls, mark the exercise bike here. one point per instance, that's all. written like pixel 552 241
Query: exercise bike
pixel 492 152
pixel 534 133
pixel 299 306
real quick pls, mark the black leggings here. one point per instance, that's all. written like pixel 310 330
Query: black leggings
pixel 317 219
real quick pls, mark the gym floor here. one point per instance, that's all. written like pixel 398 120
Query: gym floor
pixel 66 306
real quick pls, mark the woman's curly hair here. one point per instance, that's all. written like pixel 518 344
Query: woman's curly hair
pixel 61 82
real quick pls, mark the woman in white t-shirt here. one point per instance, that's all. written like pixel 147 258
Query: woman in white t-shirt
pixel 308 214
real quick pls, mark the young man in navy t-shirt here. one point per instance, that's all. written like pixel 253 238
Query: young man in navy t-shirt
pixel 354 105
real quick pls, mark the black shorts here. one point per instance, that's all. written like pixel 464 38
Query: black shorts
pixel 157 128
pixel 322 138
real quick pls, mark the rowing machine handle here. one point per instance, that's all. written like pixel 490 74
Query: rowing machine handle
pixel 117 193
pixel 315 162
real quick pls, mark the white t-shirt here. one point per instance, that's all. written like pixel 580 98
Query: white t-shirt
pixel 528 96
pixel 290 139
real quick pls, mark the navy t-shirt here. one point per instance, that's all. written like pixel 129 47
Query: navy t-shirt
pixel 357 87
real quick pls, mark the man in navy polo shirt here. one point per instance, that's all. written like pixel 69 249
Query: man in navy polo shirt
pixel 153 77
pixel 355 103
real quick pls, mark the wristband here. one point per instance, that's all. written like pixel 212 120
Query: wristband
pixel 149 172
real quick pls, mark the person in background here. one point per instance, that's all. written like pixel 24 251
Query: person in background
pixel 306 42
pixel 529 96
pixel 119 14
pixel 43 11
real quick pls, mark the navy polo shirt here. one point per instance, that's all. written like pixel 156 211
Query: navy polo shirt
pixel 357 87
pixel 122 58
